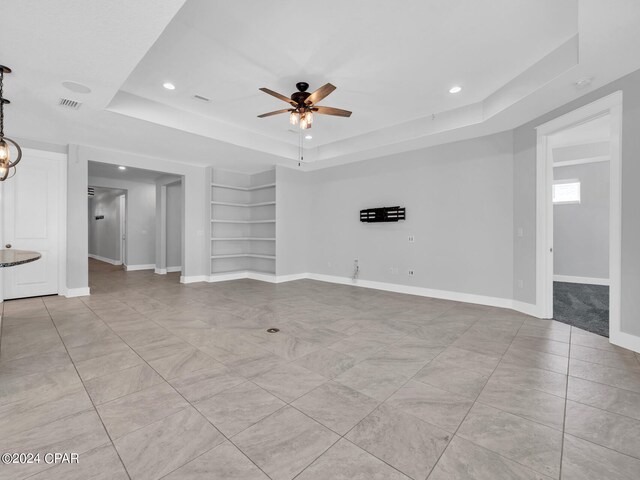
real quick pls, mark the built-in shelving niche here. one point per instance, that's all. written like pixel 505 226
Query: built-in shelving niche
pixel 243 222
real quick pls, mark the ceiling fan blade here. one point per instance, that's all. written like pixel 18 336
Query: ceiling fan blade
pixel 277 112
pixel 278 95
pixel 338 112
pixel 319 94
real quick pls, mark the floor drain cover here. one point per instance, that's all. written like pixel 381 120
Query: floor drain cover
pixel 273 330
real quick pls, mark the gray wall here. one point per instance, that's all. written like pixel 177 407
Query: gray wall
pixel 77 214
pixel 293 221
pixel 174 225
pixel 581 231
pixel 525 200
pixel 459 201
pixel 140 221
pixel 104 234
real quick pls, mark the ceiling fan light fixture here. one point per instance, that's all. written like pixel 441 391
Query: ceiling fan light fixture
pixel 304 122
pixel 7 166
pixel 294 118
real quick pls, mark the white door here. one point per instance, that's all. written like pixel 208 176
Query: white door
pixel 31 209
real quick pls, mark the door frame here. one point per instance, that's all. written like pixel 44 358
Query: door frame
pixel 122 237
pixel 61 160
pixel 608 105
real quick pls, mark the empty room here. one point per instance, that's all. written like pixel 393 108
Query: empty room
pixel 331 240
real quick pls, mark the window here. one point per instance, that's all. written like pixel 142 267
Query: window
pixel 566 192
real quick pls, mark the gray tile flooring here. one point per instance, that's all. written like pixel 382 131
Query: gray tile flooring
pixel 148 379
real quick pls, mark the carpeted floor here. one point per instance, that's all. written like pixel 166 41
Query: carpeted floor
pixel 583 306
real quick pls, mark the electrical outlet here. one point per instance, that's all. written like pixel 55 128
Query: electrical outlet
pixel 520 284
pixel 412 239
pixel 411 272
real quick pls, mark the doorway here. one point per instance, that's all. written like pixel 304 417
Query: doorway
pixel 579 217
pixel 581 193
pixel 107 220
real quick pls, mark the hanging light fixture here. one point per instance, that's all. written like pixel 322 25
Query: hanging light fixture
pixel 6 165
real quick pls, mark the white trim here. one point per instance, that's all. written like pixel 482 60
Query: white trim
pixel 581 280
pixel 625 340
pixel 130 268
pixel 193 278
pixel 581 161
pixel 105 259
pixel 292 277
pixel 609 105
pixel 77 292
pixel 164 271
pixel 526 308
pixel 420 291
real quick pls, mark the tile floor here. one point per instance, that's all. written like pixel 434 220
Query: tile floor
pixel 148 379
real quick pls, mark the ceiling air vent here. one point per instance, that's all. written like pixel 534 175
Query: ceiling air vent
pixel 90 191
pixel 201 98
pixel 65 102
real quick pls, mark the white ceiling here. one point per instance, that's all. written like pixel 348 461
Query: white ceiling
pixel 392 63
pixel 106 170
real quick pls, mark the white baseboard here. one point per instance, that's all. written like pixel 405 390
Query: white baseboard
pixel 625 340
pixel 105 259
pixel 77 292
pixel 263 277
pixel 291 278
pixel 194 278
pixel 131 268
pixel 582 280
pixel 526 308
pixel 420 291
pixel 164 271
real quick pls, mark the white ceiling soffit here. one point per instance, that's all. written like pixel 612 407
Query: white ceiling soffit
pixel 393 66
pixel 130 174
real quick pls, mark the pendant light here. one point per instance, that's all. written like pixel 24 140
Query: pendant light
pixel 7 167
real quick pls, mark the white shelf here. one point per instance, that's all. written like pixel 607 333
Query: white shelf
pixel 239 255
pixel 245 205
pixel 243 221
pixel 233 196
pixel 244 189
pixel 256 239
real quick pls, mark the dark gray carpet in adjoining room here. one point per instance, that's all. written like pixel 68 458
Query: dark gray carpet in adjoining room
pixel 583 306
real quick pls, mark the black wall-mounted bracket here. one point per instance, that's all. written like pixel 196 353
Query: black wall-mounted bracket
pixel 382 214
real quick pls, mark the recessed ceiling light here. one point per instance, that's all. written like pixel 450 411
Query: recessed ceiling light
pixel 169 86
pixel 308 137
pixel 583 82
pixel 455 89
pixel 76 87
pixel 122 168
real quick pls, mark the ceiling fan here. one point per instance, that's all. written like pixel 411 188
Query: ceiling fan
pixel 304 105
